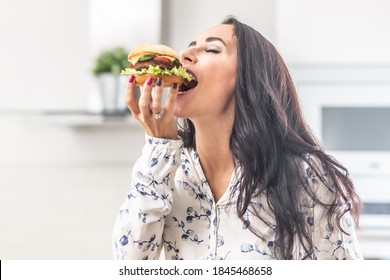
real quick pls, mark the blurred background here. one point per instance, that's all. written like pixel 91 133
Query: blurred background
pixel 67 142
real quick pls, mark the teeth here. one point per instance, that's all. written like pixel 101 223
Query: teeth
pixel 192 77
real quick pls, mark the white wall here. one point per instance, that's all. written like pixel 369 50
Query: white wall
pixel 122 23
pixel 44 54
pixel 352 32
pixel 186 19
pixel 61 186
pixel 60 210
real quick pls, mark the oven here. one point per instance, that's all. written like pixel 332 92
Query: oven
pixel 348 109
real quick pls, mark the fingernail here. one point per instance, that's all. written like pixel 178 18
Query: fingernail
pixel 149 81
pixel 159 81
pixel 175 85
pixel 132 78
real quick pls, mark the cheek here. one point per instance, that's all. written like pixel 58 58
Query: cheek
pixel 222 92
pixel 233 80
pixel 227 82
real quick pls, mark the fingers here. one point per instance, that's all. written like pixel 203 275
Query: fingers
pixel 157 97
pixel 146 96
pixel 149 104
pixel 171 98
pixel 130 96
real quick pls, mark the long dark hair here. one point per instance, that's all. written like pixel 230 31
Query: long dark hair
pixel 270 141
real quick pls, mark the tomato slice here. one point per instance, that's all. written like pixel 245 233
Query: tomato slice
pixel 161 58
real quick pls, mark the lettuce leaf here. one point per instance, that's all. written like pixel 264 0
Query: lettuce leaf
pixel 156 70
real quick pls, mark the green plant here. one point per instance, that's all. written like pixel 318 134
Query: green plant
pixel 111 61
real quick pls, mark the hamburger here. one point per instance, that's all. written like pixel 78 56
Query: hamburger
pixel 158 61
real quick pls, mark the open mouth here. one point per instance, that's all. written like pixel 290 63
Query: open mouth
pixel 187 85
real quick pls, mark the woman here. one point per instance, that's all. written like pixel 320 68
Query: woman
pixel 243 178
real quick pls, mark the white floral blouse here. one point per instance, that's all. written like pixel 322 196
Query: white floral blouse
pixel 170 206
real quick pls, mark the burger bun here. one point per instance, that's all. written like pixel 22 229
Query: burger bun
pixel 156 49
pixel 167 80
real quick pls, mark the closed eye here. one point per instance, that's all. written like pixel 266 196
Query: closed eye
pixel 213 51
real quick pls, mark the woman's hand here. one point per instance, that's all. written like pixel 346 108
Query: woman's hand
pixel 156 120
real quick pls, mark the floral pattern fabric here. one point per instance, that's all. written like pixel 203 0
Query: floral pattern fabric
pixel 170 206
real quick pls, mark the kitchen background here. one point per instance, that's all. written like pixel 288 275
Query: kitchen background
pixel 66 158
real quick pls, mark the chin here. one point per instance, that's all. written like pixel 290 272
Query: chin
pixel 179 114
pixel 183 112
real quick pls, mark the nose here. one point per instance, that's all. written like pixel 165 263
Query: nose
pixel 187 56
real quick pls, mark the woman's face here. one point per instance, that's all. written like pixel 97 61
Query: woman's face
pixel 212 59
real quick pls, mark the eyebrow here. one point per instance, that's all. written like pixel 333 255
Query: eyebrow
pixel 208 39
